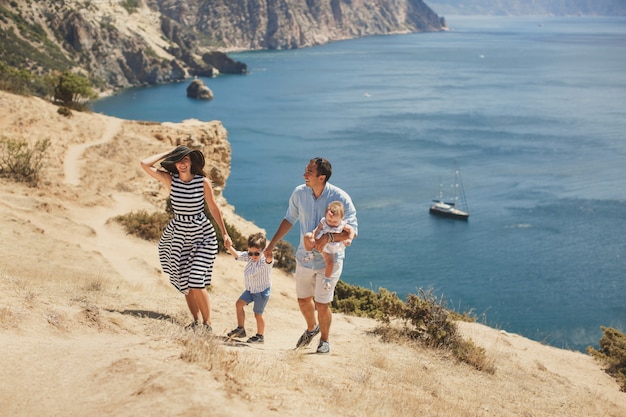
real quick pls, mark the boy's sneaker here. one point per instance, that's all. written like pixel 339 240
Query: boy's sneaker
pixel 323 347
pixel 206 328
pixel 258 338
pixel 238 332
pixel 307 336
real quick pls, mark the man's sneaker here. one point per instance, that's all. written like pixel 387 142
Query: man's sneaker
pixel 307 336
pixel 256 339
pixel 238 332
pixel 323 347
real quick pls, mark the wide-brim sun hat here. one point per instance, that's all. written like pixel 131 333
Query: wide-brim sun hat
pixel 169 163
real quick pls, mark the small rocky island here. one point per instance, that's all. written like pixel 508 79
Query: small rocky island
pixel 198 89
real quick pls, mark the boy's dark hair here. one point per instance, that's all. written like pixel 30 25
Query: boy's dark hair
pixel 257 240
pixel 323 167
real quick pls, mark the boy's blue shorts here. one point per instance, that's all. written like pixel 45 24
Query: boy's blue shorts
pixel 260 299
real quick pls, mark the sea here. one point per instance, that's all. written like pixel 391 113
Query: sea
pixel 531 109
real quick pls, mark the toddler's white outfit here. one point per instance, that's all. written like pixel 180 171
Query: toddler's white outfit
pixel 332 247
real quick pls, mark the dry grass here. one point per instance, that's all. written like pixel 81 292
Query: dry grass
pixel 390 383
pixel 394 377
pixel 8 318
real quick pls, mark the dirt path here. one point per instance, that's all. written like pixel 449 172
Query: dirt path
pixel 129 261
pixel 72 162
pixel 132 258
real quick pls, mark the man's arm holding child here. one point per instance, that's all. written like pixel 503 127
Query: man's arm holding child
pixel 351 235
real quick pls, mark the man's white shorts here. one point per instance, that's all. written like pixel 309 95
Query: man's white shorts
pixel 310 282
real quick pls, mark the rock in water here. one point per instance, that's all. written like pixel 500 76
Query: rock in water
pixel 197 89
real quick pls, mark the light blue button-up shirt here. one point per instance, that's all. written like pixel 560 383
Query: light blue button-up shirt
pixel 308 210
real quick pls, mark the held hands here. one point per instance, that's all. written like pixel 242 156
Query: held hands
pixel 227 241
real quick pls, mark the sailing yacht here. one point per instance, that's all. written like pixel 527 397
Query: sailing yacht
pixel 455 209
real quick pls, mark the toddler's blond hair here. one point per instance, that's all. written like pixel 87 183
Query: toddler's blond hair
pixel 336 208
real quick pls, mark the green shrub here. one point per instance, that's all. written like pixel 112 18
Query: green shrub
pixel 284 256
pixel 25 82
pixel 130 5
pixel 22 162
pixel 613 353
pixel 467 352
pixel 72 90
pixel 69 89
pixel 425 318
pixel 363 302
pixel 148 226
pixel 64 111
pixel 390 305
pixel 430 318
pixel 13 80
pixel 428 321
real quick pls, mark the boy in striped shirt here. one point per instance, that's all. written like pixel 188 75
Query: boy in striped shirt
pixel 257 286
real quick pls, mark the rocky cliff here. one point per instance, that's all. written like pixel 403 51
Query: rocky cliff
pixel 285 24
pixel 122 43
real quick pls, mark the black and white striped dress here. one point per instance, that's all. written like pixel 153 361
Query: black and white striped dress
pixel 188 246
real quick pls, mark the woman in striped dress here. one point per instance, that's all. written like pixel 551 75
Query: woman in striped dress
pixel 188 246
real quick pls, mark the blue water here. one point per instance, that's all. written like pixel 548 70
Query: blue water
pixel 532 109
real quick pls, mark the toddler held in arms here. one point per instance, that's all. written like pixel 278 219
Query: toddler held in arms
pixel 333 222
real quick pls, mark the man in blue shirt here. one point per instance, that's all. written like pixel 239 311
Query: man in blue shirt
pixel 307 205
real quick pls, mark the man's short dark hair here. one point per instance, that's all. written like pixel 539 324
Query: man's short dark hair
pixel 323 167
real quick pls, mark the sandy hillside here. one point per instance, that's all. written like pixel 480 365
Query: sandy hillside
pixel 90 326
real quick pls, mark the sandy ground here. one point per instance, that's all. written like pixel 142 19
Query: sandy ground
pixel 90 326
